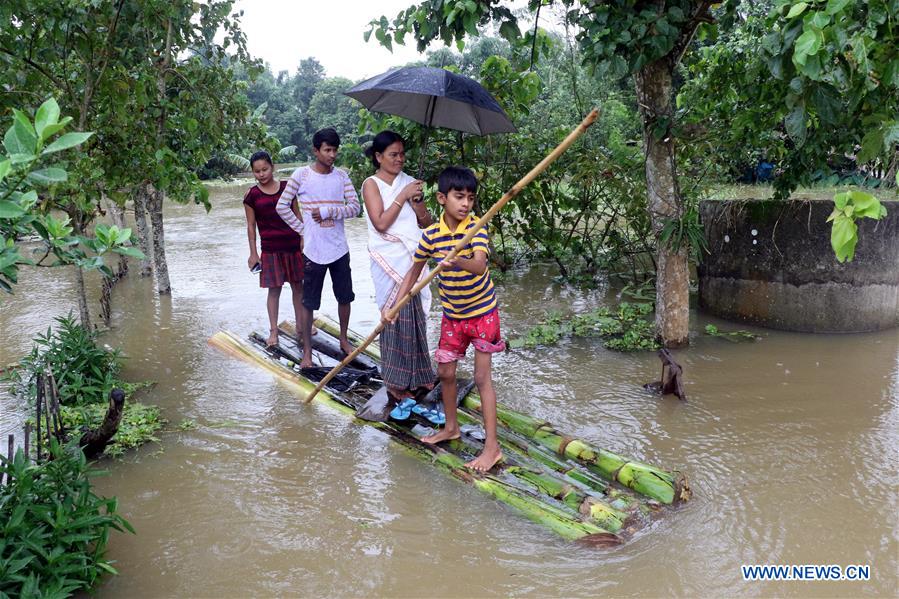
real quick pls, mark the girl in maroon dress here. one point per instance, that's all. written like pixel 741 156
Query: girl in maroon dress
pixel 282 249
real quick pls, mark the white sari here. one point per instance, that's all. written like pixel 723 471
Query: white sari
pixel 391 252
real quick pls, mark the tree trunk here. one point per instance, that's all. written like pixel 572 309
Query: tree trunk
pixel 143 231
pixel 93 442
pixel 154 207
pixel 654 94
pixel 83 312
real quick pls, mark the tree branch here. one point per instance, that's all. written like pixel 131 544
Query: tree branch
pixel 34 66
pixel 701 15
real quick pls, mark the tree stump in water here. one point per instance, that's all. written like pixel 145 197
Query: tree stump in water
pixel 94 442
pixel 672 375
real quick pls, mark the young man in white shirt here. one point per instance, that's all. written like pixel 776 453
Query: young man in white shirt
pixel 327 197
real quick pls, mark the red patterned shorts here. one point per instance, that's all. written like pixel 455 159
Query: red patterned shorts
pixel 480 331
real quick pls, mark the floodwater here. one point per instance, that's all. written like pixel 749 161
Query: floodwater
pixel 790 444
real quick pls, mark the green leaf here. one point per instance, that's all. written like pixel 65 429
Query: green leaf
pixel 53 129
pixel 18 140
pixel 872 145
pixel 795 124
pixel 797 9
pixel 69 140
pixel 820 20
pixel 10 209
pixel 509 31
pixel 46 176
pixel 843 238
pixel 807 44
pixel 22 119
pixel 129 251
pixel 5 167
pixel 47 114
pixel 835 6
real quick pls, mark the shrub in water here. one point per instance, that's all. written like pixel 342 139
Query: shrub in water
pixel 85 373
pixel 54 528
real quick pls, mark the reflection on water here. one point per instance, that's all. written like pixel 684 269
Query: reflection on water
pixel 790 445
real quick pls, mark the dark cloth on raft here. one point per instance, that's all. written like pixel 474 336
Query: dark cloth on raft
pixel 405 360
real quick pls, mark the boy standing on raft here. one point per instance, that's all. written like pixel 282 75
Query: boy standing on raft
pixel 470 314
pixel 327 197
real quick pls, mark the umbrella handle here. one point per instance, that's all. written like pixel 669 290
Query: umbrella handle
pixel 516 189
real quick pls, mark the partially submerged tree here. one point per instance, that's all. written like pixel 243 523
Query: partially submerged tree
pixel 150 78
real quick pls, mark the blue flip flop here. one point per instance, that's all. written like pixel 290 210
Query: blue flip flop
pixel 403 409
pixel 435 416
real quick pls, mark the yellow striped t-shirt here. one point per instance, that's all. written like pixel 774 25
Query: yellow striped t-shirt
pixel 462 293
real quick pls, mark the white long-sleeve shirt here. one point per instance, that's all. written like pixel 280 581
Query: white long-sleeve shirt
pixel 335 197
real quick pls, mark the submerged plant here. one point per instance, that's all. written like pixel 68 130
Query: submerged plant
pixel 734 336
pixel 85 373
pixel 627 329
pixel 140 424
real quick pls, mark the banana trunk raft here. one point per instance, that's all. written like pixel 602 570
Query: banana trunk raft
pixel 580 492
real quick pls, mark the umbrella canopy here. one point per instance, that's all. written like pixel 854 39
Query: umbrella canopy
pixel 435 98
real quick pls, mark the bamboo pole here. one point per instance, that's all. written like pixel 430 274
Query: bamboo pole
pixel 516 189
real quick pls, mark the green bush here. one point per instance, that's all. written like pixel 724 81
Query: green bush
pixel 55 529
pixel 85 373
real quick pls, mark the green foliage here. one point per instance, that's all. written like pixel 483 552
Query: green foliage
pixel 734 336
pixel 27 185
pixel 811 86
pixel 55 530
pixel 295 107
pixel 153 79
pixel 85 373
pixel 581 218
pixel 685 232
pixel 140 424
pixel 624 330
pixel 848 207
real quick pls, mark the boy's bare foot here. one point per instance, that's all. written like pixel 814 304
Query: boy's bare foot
pixel 445 435
pixel 272 340
pixel 346 348
pixel 486 461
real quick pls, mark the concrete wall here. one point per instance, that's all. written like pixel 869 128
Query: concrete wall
pixel 771 264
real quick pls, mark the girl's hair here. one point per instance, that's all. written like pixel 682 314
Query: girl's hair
pixel 380 143
pixel 260 155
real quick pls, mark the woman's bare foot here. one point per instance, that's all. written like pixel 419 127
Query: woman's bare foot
pixel 445 435
pixel 272 340
pixel 306 362
pixel 487 460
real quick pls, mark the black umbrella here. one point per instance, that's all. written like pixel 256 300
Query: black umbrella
pixel 435 98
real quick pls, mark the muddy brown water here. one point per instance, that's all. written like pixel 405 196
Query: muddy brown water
pixel 790 444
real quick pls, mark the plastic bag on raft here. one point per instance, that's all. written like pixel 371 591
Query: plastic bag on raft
pixel 344 380
pixel 378 407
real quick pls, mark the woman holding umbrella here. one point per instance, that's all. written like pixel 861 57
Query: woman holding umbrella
pixel 396 214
